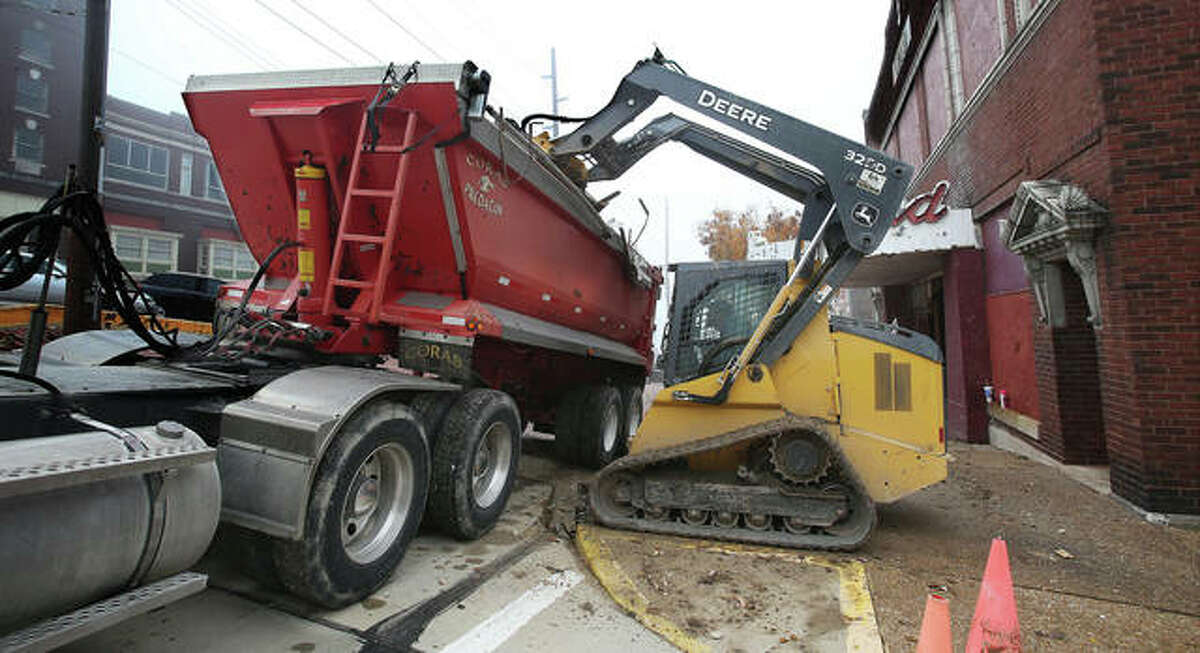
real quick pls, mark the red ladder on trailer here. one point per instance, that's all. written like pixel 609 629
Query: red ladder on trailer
pixel 361 236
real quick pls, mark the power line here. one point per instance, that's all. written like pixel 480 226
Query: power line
pixel 370 55
pixel 203 21
pixel 211 13
pixel 195 17
pixel 431 27
pixel 405 29
pixel 157 71
pixel 296 27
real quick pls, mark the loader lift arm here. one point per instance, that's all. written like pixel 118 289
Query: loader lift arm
pixel 848 199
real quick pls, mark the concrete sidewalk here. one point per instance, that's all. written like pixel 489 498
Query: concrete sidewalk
pixel 1128 585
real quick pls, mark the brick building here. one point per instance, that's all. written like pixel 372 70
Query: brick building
pixel 162 196
pixel 163 199
pixel 1069 130
pixel 41 46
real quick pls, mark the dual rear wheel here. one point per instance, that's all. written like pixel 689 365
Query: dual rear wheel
pixel 596 423
pixel 450 458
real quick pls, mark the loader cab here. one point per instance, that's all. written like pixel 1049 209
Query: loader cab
pixel 715 307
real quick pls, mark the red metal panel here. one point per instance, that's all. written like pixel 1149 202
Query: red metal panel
pixel 529 255
pixel 1010 336
pixel 523 251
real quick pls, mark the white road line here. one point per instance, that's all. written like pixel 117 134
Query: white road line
pixel 490 633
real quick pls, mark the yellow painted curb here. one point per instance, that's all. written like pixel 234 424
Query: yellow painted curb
pixel 623 591
pixel 862 632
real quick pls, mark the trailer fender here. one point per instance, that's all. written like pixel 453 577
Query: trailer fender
pixel 101 347
pixel 272 443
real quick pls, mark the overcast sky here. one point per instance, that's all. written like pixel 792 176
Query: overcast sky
pixel 812 59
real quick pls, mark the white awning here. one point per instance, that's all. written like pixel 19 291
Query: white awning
pixel 914 251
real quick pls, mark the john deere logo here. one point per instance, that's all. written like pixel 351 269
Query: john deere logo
pixel 865 214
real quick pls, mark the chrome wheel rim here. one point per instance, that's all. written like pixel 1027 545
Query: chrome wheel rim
pixel 635 418
pixel 611 427
pixel 491 464
pixel 377 504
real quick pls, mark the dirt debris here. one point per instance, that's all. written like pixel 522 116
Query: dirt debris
pixel 1128 585
pixel 734 601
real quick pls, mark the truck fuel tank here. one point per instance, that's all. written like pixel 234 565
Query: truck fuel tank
pixel 91 514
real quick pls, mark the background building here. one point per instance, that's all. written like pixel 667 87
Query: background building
pixel 162 196
pixel 1069 132
pixel 42 49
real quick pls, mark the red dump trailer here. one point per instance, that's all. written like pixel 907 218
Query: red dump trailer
pixel 448 240
pixel 405 226
pixel 431 283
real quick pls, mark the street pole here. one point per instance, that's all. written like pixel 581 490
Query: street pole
pixel 79 303
pixel 554 99
pixel 667 249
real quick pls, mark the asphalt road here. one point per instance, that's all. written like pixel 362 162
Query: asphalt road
pixel 519 588
pixel 1127 585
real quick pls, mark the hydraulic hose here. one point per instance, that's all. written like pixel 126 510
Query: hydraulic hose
pixel 28 239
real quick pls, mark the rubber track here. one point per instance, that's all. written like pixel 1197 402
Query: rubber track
pixel 862 508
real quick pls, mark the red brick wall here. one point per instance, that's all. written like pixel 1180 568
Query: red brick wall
pixel 137 221
pixel 1071 429
pixel 967 366
pixel 908 132
pixel 1105 97
pixel 1040 120
pixel 1149 70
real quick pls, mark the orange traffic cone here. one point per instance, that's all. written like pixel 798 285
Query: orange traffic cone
pixel 994 626
pixel 935 627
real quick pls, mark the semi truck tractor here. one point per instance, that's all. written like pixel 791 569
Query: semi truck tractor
pixel 434 277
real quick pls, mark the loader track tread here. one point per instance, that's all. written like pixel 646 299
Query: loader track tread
pixel 866 517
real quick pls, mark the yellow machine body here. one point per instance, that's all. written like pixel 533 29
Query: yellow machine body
pixel 881 406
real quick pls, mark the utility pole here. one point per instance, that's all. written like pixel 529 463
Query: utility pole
pixel 554 99
pixel 79 304
pixel 667 250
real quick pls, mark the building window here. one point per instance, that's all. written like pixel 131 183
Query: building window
pixel 185 173
pixel 214 190
pixel 32 92
pixel 35 46
pixel 27 147
pixel 146 252
pixel 225 260
pixel 135 162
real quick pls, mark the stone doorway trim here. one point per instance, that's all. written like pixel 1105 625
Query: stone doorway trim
pixel 1052 221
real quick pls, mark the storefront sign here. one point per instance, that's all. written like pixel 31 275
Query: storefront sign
pixel 926 224
pixel 926 207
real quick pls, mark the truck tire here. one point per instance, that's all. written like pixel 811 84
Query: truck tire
pixel 631 414
pixel 364 508
pixel 589 429
pixel 474 464
pixel 430 409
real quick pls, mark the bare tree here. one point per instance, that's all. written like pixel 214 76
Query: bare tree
pixel 724 234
